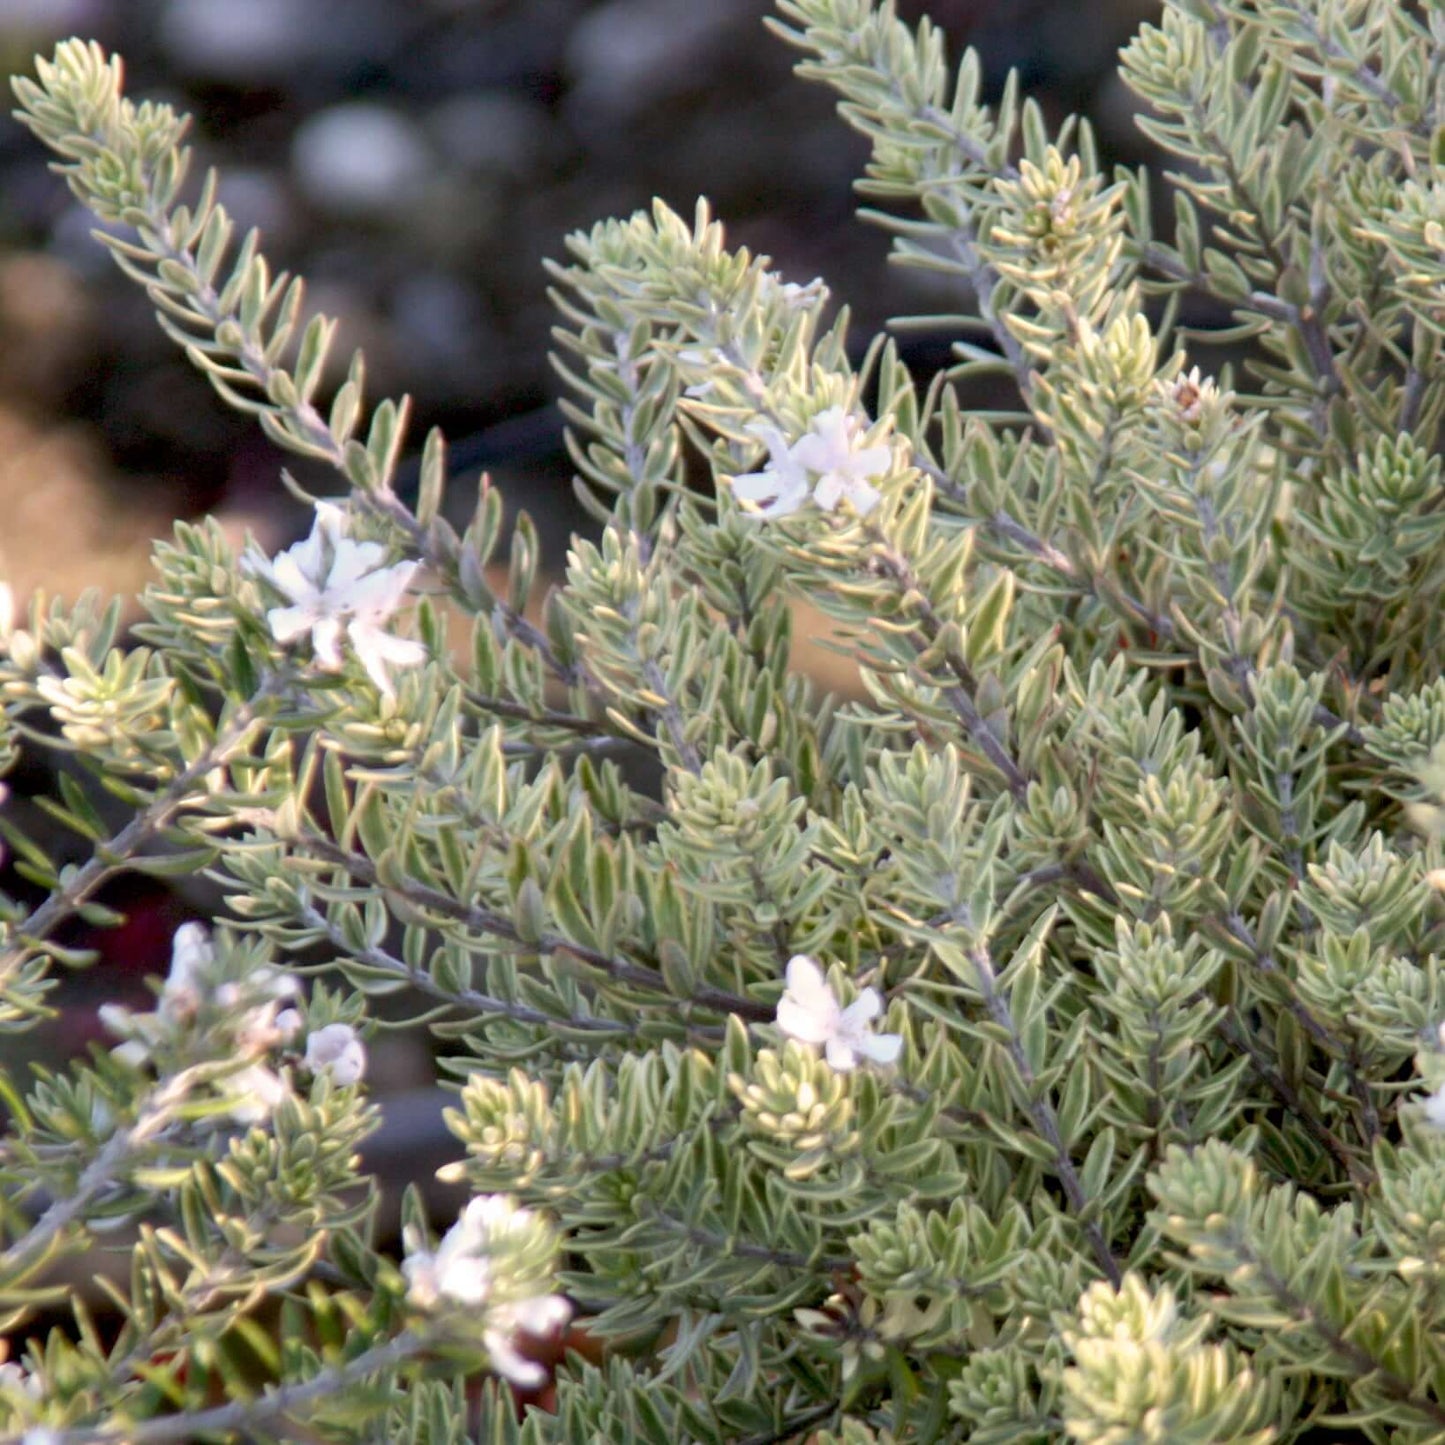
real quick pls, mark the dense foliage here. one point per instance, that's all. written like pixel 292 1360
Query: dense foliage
pixel 1043 1042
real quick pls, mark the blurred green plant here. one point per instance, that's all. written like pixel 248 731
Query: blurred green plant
pixel 1044 1044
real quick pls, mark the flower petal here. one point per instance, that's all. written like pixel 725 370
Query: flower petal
pixel 375 649
pixel 774 493
pixel 805 1025
pixel 377 593
pixel 808 1010
pixel 512 1366
pixel 871 462
pixel 299 569
pixel 351 561
pixel 868 1005
pixel 421 1278
pixel 881 1048
pixel 542 1314
pixel 326 643
pixel 862 497
pixel 288 623
pixel 829 492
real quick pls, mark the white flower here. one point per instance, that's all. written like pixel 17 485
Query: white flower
pixel 825 460
pixel 809 1012
pixel 830 450
pixel 1434 1106
pixel 191 959
pixel 460 1269
pixel 785 482
pixel 242 1021
pixel 460 1272
pixel 539 1315
pixel 259 1028
pixel 1192 395
pixel 338 1051
pixel 191 981
pixel 337 585
pixel 182 994
pixel 451 1271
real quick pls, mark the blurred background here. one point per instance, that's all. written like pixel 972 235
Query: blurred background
pixel 415 160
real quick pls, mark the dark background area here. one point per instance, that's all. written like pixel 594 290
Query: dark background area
pixel 415 160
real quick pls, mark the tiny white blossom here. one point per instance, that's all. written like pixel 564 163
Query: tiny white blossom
pixel 257 1028
pixel 339 586
pixel 450 1272
pixel 1191 394
pixel 191 958
pixel 829 449
pixel 142 1033
pixel 540 1315
pixel 459 1268
pixel 338 1051
pixel 781 488
pixel 460 1272
pixel 809 1012
pixel 242 1020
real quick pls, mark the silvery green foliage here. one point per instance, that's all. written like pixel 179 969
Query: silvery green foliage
pixel 1108 1100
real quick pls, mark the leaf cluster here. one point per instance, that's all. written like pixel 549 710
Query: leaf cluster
pixel 1133 822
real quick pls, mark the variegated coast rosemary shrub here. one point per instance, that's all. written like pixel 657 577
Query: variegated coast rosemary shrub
pixel 1044 1044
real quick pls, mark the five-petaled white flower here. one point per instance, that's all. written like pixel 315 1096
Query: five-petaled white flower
pixel 337 585
pixel 830 450
pixel 781 488
pixel 809 1011
pixel 460 1269
pixel 461 1272
pixel 825 461
pixel 338 1051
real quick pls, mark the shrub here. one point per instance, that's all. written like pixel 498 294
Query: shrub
pixel 1042 1043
